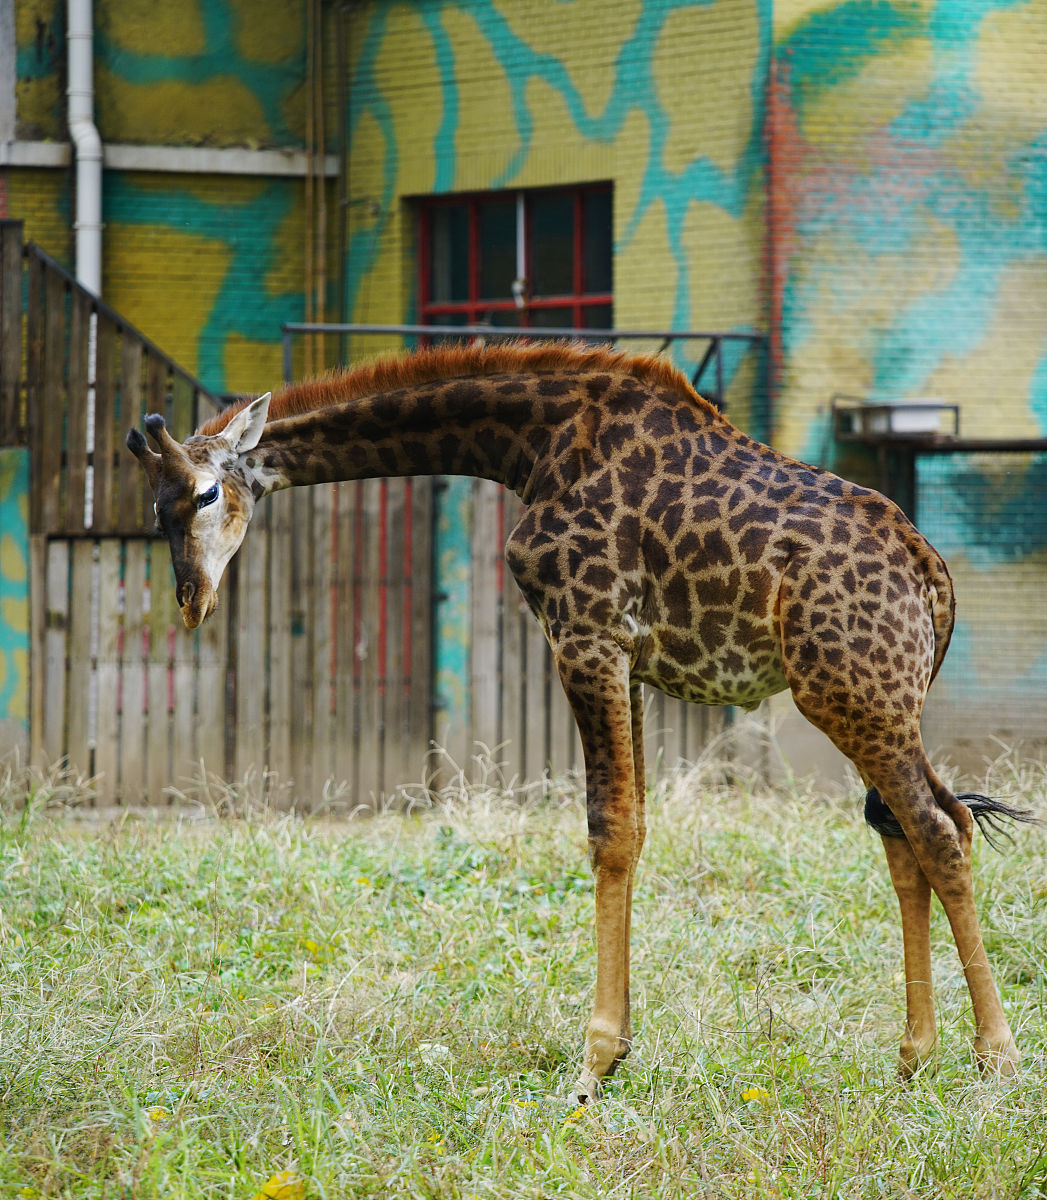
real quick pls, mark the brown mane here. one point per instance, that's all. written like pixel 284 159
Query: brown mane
pixel 454 362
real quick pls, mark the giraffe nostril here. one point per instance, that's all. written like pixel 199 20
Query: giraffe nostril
pixel 185 594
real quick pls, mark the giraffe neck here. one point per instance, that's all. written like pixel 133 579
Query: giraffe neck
pixel 494 427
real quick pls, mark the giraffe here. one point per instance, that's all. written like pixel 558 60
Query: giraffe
pixel 658 545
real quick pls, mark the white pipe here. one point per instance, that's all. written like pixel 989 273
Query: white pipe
pixel 88 146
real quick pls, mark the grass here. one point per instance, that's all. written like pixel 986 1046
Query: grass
pixel 205 1003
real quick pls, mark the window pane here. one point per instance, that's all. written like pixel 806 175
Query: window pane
pixel 552 318
pixel 497 247
pixel 597 316
pixel 449 253
pixel 552 243
pixel 506 317
pixel 598 237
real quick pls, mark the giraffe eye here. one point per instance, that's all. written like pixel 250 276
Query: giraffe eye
pixel 208 497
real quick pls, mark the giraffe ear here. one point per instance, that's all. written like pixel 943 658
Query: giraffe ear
pixel 245 427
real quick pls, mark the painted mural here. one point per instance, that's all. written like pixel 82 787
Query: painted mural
pixel 865 180
pixel 494 95
pixel 908 249
pixel 207 266
pixel 14 599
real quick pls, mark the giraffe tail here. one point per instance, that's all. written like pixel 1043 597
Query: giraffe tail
pixel 989 813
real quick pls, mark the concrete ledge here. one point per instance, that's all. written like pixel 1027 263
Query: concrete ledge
pixel 175 160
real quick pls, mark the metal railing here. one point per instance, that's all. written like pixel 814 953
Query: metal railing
pixel 712 358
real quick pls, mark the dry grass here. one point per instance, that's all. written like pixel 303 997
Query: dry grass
pixel 393 1006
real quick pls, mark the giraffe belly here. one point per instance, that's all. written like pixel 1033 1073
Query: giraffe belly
pixel 736 668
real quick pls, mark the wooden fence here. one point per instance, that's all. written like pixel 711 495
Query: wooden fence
pixel 317 670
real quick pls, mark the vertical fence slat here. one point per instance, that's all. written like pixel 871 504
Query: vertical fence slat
pixel 47 457
pixel 300 567
pixel 107 737
pixel 510 661
pixel 159 677
pixel 398 767
pixel 320 619
pixel 132 674
pixel 56 623
pixel 11 426
pixel 78 652
pixel 76 409
pixel 484 603
pixel 105 434
pixel 250 635
pixel 132 489
pixel 212 670
pixel 420 693
pixel 346 758
pixel 371 781
pixel 285 600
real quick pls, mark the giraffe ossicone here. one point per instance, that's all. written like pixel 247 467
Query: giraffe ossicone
pixel 660 545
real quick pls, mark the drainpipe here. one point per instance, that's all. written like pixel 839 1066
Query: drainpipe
pixel 87 144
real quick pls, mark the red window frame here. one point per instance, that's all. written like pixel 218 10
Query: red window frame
pixel 478 309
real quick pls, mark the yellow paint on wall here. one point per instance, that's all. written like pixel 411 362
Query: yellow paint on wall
pixel 407 53
pixel 1009 69
pixel 217 112
pixel 559 152
pixel 723 254
pixel 845 326
pixel 487 137
pixel 269 32
pixel 1001 363
pixel 191 268
pixel 645 275
pixel 367 157
pixel 39 105
pixel 632 149
pixel 14 613
pixel 252 366
pixel 37 197
pixel 587 48
pixel 848 120
pixel 145 27
pixel 18 702
pixel 13 566
pixel 709 100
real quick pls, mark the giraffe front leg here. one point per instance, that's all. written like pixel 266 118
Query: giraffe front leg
pixel 595 675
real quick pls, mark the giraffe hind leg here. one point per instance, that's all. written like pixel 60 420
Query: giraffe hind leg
pixel 933 852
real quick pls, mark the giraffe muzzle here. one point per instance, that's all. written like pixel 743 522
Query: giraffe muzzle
pixel 196 604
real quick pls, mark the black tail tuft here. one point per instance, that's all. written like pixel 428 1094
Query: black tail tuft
pixel 989 813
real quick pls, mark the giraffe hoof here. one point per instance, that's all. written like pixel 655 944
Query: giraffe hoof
pixel 588 1089
pixel 915 1057
pixel 997 1061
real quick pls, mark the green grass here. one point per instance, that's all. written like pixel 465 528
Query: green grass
pixel 394 1005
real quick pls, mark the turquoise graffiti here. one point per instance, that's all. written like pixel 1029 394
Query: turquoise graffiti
pixel 14 597
pixel 249 230
pixel 634 90
pixel 672 188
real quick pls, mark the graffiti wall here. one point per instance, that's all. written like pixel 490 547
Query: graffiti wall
pixel 14 599
pixel 908 250
pixel 662 99
pixel 206 265
pixel 909 228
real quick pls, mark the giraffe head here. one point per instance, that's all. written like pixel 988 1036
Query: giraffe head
pixel 204 499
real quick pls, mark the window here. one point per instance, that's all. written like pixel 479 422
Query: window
pixel 537 259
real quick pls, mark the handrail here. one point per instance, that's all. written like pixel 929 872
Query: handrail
pixel 665 336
